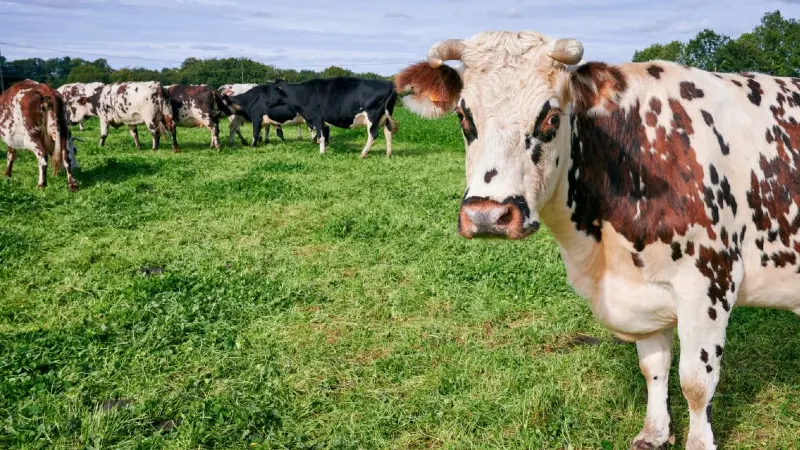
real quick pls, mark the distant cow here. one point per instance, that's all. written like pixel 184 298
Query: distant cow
pixel 256 103
pixel 33 117
pixel 343 102
pixel 278 116
pixel 81 100
pixel 673 193
pixel 195 106
pixel 133 104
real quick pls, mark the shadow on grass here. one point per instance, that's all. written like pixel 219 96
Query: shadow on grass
pixel 116 171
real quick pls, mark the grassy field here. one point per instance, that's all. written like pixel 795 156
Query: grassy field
pixel 274 298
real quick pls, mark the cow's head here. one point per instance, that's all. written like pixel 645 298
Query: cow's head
pixel 511 97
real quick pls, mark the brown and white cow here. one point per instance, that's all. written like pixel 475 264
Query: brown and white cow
pixel 194 106
pixel 132 104
pixel 33 117
pixel 236 121
pixel 674 193
pixel 81 100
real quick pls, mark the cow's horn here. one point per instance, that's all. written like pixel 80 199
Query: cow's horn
pixel 447 50
pixel 567 51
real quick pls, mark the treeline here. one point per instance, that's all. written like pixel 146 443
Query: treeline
pixel 215 72
pixel 773 48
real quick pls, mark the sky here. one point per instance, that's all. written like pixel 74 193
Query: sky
pixel 375 35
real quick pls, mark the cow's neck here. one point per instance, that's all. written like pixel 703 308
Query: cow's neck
pixel 580 240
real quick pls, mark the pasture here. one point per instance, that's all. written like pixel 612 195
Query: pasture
pixel 274 298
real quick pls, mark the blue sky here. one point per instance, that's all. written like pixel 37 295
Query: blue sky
pixel 363 35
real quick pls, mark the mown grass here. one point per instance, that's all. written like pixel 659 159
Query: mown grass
pixel 273 298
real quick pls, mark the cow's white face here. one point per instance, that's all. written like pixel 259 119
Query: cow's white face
pixel 513 113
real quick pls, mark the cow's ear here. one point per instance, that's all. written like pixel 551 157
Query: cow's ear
pixel 433 91
pixel 597 86
pixel 82 100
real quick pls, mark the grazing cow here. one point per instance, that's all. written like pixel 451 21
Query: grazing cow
pixel 82 100
pixel 256 103
pixel 33 117
pixel 343 102
pixel 269 118
pixel 674 193
pixel 195 106
pixel 132 104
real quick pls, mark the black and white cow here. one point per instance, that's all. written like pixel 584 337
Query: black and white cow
pixel 253 102
pixel 344 102
pixel 132 104
pixel 257 102
pixel 235 121
pixel 81 100
pixel 194 106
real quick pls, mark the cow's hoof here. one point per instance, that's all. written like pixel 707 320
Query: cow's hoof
pixel 73 188
pixel 363 156
pixel 643 444
pixel 41 186
pixel 176 149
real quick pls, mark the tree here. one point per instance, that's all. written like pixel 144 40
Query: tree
pixel 702 51
pixel 336 71
pixel 669 52
pixel 87 73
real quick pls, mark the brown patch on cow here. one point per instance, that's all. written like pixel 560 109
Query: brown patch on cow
pixel 690 91
pixel 712 313
pixel 717 266
pixel 755 92
pixel 622 174
pixel 690 248
pixel 597 84
pixel 676 251
pixel 737 82
pixel 655 71
pixel 695 392
pixel 487 177
pixel 637 260
pixel 441 85
pixel 719 351
pixel 707 117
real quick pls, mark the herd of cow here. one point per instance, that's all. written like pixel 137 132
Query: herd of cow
pixel 34 116
pixel 674 193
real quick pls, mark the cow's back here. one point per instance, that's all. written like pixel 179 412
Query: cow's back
pixel 132 103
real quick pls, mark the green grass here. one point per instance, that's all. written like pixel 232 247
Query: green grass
pixel 319 302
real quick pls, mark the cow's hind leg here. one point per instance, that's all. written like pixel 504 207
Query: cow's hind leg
pixel 372 132
pixel 215 135
pixel 279 132
pixel 388 128
pixel 703 313
pixel 655 356
pixel 155 132
pixel 41 157
pixel 103 131
pixel 135 134
pixel 10 157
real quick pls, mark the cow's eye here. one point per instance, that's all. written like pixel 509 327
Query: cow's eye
pixel 554 120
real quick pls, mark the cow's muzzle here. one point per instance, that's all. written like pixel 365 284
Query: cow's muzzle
pixel 481 217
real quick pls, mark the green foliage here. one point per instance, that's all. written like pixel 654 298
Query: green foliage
pixel 773 47
pixel 87 72
pixel 276 297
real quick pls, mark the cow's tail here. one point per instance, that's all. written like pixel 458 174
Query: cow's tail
pixel 221 106
pixel 163 112
pixel 54 113
pixel 391 100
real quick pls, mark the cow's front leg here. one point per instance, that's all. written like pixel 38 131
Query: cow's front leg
pixel 388 128
pixel 655 356
pixel 80 126
pixel 10 157
pixel 703 312
pixel 103 131
pixel 215 135
pixel 266 133
pixel 279 132
pixel 372 133
pixel 155 132
pixel 299 133
pixel 256 132
pixel 135 134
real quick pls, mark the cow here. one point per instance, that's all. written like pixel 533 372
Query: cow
pixel 132 104
pixel 33 117
pixel 81 100
pixel 194 106
pixel 278 116
pixel 344 102
pixel 673 193
pixel 256 103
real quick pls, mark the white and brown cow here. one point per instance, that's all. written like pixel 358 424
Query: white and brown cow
pixel 132 104
pixel 236 121
pixel 81 100
pixel 193 106
pixel 33 117
pixel 674 193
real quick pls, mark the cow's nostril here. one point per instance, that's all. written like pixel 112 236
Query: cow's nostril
pixel 505 219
